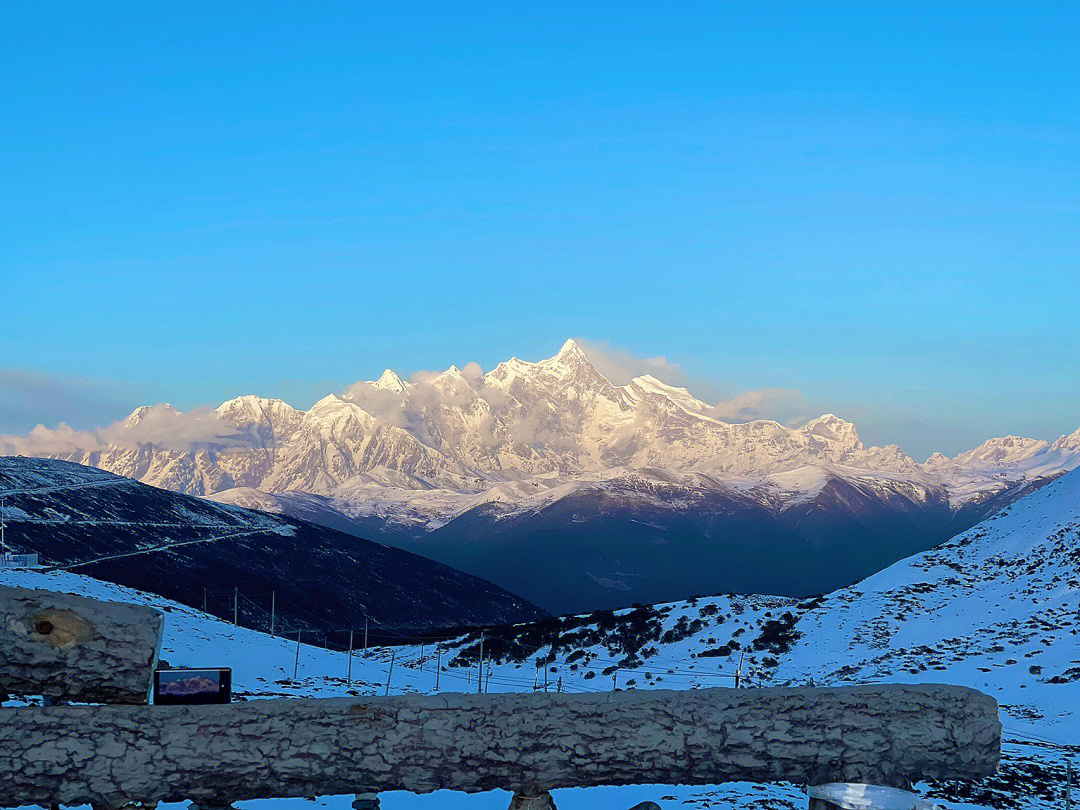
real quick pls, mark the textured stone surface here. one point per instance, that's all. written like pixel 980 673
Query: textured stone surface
pixel 70 648
pixel 527 743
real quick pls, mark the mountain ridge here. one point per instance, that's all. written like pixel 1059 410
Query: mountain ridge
pixel 513 475
pixel 520 421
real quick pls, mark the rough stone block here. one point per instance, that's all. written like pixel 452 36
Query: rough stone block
pixel 71 648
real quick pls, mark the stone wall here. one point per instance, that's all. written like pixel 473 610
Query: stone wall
pixel 109 755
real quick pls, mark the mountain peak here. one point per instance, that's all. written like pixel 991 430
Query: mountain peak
pixel 682 397
pixel 243 402
pixel 1001 450
pixel 571 349
pixel 571 356
pixel 144 411
pixel 389 381
pixel 831 427
pixel 451 379
pixel 1069 442
pixel 648 381
pixel 333 407
pixel 249 409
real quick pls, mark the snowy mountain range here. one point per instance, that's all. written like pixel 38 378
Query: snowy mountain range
pixel 520 428
pixel 995 608
pixel 460 465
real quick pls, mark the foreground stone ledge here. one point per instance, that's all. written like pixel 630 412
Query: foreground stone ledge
pixel 528 743
pixel 71 648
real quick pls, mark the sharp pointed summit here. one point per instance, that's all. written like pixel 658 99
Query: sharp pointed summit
pixel 389 381
pixel 571 349
pixel 570 356
pixel 573 364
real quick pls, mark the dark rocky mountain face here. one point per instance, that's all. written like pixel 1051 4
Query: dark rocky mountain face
pixel 119 530
pixel 610 548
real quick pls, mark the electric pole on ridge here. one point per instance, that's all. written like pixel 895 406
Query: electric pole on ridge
pixel 480 671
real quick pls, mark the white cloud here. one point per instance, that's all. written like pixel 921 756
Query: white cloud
pixel 621 365
pixel 472 372
pixel 62 440
pixel 162 426
pixel 763 403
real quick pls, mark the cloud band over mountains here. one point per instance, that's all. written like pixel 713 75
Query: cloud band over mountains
pixel 54 399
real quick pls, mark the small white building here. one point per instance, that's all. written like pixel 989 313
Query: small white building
pixel 10 559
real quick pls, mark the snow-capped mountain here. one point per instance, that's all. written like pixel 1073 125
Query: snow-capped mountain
pixel 542 423
pixel 547 452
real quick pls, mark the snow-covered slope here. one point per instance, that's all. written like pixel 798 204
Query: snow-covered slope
pixel 996 608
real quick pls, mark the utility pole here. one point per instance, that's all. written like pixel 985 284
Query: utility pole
pixel 204 599
pixel 738 672
pixel 273 611
pixel 487 680
pixel 421 657
pixel 348 674
pixel 390 671
pixel 438 665
pixel 296 665
pixel 614 680
pixel 365 636
pixel 235 605
pixel 480 671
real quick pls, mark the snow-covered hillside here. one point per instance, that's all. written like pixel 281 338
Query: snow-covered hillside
pixel 996 608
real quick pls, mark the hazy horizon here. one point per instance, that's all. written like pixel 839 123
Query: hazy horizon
pixel 784 405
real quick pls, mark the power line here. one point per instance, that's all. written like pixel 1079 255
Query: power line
pixel 1042 740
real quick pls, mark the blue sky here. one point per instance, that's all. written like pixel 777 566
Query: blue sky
pixel 874 204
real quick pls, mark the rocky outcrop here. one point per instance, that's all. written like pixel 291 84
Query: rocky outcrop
pixel 70 648
pixel 528 743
